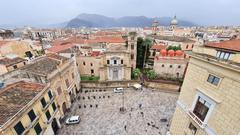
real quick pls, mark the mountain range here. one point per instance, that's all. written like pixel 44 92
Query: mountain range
pixel 95 20
pixel 101 21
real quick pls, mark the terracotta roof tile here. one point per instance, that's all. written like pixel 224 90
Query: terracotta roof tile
pixel 9 62
pixel 233 45
pixel 16 96
pixel 158 46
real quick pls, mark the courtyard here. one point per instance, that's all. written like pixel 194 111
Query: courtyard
pixel 148 112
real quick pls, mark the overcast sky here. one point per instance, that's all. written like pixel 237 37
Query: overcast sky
pixel 203 12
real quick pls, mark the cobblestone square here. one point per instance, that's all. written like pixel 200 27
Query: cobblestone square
pixel 148 112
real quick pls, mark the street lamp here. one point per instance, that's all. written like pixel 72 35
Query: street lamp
pixel 122 109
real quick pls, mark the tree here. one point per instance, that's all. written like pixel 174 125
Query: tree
pixel 143 51
pixel 175 48
pixel 151 74
pixel 136 73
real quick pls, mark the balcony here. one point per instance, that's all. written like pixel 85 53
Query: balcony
pixel 70 86
pixel 196 119
pixel 53 115
pixel 49 103
pixel 31 125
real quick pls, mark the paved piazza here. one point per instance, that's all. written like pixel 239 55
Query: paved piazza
pixel 148 112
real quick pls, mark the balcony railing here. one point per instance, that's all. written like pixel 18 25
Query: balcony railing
pixel 31 125
pixel 49 102
pixel 70 86
pixel 53 115
pixel 196 119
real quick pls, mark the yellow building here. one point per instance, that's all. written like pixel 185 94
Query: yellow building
pixel 61 73
pixel 114 62
pixel 209 101
pixel 10 64
pixel 28 108
pixel 19 48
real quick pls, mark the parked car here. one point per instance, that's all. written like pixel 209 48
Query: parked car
pixel 118 90
pixel 73 120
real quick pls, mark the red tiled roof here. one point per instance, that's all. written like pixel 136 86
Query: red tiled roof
pixel 61 47
pixel 3 42
pixel 233 45
pixel 104 33
pixel 110 39
pixel 9 62
pixel 105 40
pixel 16 96
pixel 158 47
pixel 95 53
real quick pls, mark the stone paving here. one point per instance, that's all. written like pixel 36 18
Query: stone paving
pixel 147 112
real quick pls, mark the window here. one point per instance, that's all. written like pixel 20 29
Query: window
pixel 67 83
pixel 48 115
pixel 179 66
pixel 187 47
pixel 132 56
pixel 91 64
pixel 92 71
pixel 50 94
pixel 162 65
pixel 115 61
pixel 43 102
pixel 170 66
pixel 38 129
pixel 54 106
pixel 201 108
pixel 121 61
pixel 223 55
pixel 19 128
pixel 31 115
pixel 24 63
pixel 72 75
pixel 15 66
pixel 132 38
pixel 154 53
pixel 192 128
pixel 132 46
pixel 108 62
pixel 213 79
pixel 59 90
pixel 84 63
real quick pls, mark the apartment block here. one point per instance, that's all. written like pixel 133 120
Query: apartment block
pixel 209 101
pixel 28 108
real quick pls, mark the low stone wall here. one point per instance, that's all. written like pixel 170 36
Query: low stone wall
pixel 107 84
pixel 164 86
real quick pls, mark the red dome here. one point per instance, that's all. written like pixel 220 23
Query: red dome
pixel 163 52
pixel 171 52
pixel 179 53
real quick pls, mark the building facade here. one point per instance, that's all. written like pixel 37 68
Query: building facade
pixel 170 64
pixel 10 64
pixel 28 108
pixel 209 100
